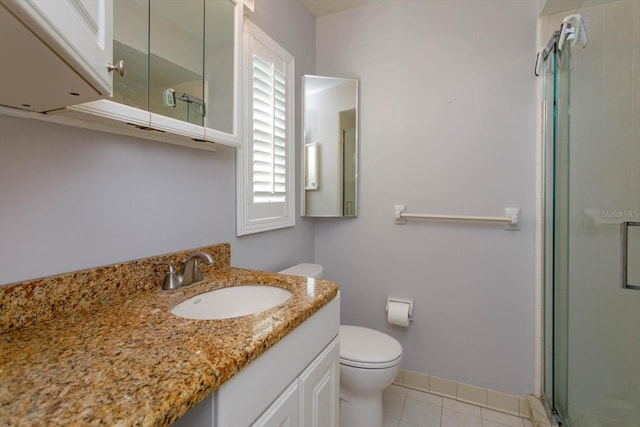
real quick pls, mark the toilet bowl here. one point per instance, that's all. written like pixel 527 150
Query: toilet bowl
pixel 369 362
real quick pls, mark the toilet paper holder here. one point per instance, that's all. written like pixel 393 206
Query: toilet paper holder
pixel 404 301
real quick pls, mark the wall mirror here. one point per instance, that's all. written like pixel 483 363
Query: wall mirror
pixel 330 154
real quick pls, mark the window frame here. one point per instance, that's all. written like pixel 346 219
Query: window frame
pixel 248 219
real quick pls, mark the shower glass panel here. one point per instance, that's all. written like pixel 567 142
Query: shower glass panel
pixel 592 170
pixel 548 76
pixel 556 238
pixel 176 60
pixel 561 232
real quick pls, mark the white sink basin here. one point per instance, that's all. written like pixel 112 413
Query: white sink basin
pixel 227 303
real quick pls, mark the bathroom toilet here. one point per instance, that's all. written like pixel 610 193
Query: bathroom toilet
pixel 369 362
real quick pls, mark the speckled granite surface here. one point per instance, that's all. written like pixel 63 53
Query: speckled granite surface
pixel 122 358
pixel 81 292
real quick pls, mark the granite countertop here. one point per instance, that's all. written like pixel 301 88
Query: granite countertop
pixel 135 363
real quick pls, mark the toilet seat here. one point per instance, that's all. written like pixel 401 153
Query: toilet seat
pixel 367 348
pixel 363 365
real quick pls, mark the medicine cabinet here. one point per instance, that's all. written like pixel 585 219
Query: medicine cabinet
pixel 330 155
pixel 183 73
pixel 55 53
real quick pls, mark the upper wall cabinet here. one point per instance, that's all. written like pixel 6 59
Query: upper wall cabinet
pixel 183 72
pixel 55 53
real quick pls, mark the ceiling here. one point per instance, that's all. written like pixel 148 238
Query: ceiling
pixel 327 7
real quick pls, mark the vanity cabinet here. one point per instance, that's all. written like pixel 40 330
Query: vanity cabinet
pixel 301 357
pixel 285 411
pixel 313 398
pixel 294 383
pixel 183 80
pixel 320 389
pixel 56 53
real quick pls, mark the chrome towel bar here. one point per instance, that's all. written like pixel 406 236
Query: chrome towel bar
pixel 511 217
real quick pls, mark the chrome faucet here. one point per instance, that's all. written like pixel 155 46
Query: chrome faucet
pixel 189 273
pixel 191 268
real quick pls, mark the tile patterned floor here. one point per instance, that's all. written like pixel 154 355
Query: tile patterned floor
pixel 410 408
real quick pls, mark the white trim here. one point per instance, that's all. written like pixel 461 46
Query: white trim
pixel 95 124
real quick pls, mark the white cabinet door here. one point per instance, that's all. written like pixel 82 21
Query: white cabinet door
pixel 320 389
pixel 59 52
pixel 284 412
pixel 80 31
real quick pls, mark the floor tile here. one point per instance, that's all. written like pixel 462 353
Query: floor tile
pixel 392 406
pixel 500 418
pixel 465 408
pixel 395 390
pixel 390 422
pixel 451 418
pixel 487 423
pixel 429 398
pixel 408 424
pixel 405 407
pixel 421 414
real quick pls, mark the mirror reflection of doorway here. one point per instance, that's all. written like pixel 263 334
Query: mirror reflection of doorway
pixel 349 161
pixel 349 172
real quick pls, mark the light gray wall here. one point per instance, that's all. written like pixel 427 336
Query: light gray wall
pixel 447 126
pixel 73 199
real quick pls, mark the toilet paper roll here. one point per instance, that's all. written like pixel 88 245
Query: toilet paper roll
pixel 398 314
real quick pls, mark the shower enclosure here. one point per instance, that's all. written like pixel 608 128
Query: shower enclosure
pixel 592 220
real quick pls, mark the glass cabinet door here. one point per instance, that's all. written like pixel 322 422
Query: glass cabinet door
pixel 131 44
pixel 219 64
pixel 183 66
pixel 176 59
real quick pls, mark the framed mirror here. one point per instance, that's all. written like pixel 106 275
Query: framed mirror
pixel 330 154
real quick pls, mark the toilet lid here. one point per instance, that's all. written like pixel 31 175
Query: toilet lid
pixel 361 347
pixel 304 270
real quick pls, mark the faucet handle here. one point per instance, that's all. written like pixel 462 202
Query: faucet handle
pixel 172 280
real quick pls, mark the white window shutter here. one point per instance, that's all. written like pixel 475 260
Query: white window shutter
pixel 266 160
pixel 269 132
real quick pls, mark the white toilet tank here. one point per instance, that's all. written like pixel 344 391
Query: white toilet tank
pixel 304 270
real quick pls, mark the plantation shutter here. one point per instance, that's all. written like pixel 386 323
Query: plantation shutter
pixel 266 164
pixel 269 132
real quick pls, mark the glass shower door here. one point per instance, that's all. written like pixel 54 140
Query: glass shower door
pixel 595 181
pixel 604 318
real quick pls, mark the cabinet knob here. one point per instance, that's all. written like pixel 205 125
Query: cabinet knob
pixel 119 67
